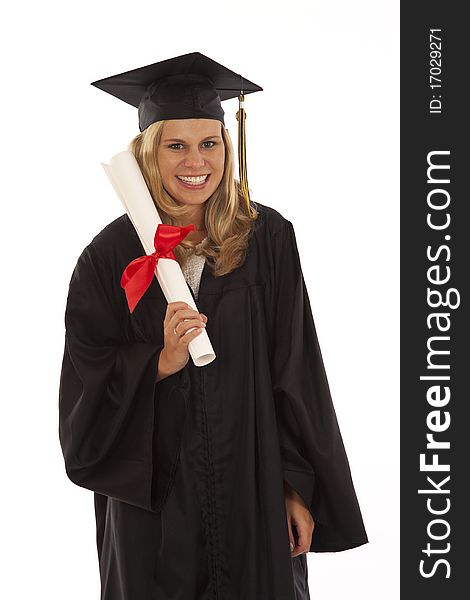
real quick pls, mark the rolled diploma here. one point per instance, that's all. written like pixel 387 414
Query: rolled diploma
pixel 127 180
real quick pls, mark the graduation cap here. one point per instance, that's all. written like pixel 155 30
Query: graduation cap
pixel 185 87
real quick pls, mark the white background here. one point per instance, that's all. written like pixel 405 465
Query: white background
pixel 322 148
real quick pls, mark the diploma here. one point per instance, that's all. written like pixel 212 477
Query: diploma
pixel 127 180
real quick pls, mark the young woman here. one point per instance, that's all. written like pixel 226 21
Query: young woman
pixel 215 481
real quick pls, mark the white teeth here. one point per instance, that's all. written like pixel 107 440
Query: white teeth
pixel 193 180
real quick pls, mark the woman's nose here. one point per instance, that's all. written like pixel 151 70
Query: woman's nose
pixel 194 159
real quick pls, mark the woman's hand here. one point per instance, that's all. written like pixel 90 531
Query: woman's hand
pixel 180 317
pixel 298 515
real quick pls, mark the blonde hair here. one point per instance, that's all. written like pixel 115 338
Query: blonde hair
pixel 226 218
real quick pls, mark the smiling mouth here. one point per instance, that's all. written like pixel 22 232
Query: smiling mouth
pixel 193 180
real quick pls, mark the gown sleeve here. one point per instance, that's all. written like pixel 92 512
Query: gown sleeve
pixel 120 430
pixel 313 456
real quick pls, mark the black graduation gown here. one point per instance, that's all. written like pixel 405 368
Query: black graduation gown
pixel 188 472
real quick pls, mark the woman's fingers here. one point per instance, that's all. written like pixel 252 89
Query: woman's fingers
pixel 291 535
pixel 171 309
pixel 182 327
pixel 304 534
pixel 182 318
pixel 182 313
pixel 303 542
pixel 300 518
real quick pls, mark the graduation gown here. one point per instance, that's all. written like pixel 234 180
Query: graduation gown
pixel 187 472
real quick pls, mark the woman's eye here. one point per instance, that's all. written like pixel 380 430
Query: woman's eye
pixel 172 146
pixel 213 144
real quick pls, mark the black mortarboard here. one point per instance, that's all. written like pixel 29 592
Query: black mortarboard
pixel 185 87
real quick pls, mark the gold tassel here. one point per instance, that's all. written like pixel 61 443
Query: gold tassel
pixel 241 116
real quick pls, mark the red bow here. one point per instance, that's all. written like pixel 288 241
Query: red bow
pixel 138 274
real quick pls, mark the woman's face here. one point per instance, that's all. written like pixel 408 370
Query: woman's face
pixel 191 158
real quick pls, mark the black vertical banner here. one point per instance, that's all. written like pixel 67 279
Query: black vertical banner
pixel 435 301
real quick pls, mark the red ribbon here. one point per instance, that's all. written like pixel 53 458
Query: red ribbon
pixel 138 274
